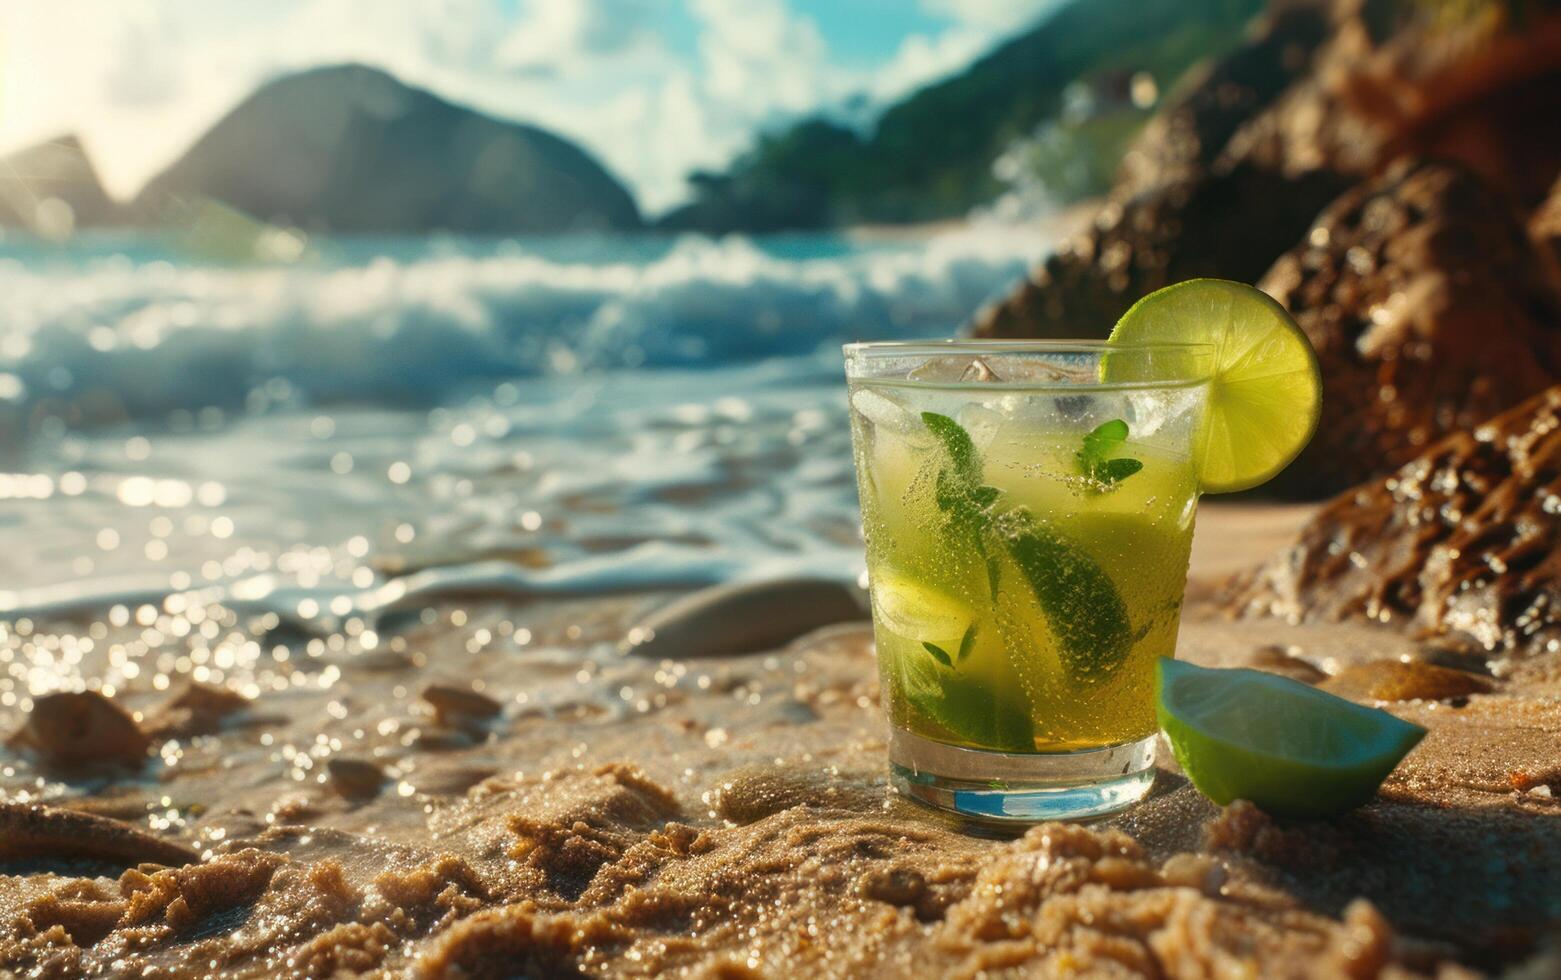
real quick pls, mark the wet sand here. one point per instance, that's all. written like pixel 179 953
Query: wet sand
pixel 492 789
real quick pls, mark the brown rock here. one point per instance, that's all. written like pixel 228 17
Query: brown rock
pixel 71 729
pixel 1462 542
pixel 747 617
pixel 1184 205
pixel 1460 82
pixel 354 778
pixel 1392 680
pixel 1198 119
pixel 36 831
pixel 448 780
pixel 196 709
pixel 1189 229
pixel 459 705
pixel 1230 172
pixel 1278 660
pixel 1544 226
pixel 1429 312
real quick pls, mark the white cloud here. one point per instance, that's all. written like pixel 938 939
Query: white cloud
pixel 554 38
pixel 760 55
pixel 997 16
pixel 921 59
pixel 146 65
pixel 457 32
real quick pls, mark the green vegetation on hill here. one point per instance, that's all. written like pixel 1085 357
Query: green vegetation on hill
pixel 930 156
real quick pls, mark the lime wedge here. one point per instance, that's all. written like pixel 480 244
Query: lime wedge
pixel 932 674
pixel 916 612
pixel 1266 395
pixel 1291 749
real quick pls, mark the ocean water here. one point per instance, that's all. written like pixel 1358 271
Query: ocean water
pixel 382 422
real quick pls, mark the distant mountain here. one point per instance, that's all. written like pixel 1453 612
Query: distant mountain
pixel 931 155
pixel 51 189
pixel 351 149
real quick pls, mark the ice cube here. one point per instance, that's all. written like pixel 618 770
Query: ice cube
pixel 949 368
pixel 983 420
pixel 894 439
pixel 1058 370
pixel 1171 409
pixel 944 369
pixel 978 370
pixel 884 412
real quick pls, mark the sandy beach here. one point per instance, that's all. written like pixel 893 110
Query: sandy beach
pixel 432 540
pixel 496 789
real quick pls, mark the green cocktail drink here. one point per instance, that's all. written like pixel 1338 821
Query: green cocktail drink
pixel 1028 528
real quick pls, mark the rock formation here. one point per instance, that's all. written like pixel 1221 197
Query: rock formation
pixel 1545 228
pixel 351 149
pixel 1184 206
pixel 1194 125
pixel 1183 231
pixel 1464 81
pixel 1461 543
pixel 52 190
pixel 1325 93
pixel 1429 311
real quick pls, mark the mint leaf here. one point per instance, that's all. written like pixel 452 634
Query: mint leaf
pixel 959 493
pixel 967 707
pixel 958 444
pixel 1083 604
pixel 1105 437
pixel 1093 456
pixel 993 716
pixel 967 642
pixel 1113 470
pixel 1086 611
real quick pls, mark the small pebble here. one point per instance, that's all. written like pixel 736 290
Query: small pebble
pixel 455 705
pixel 196 709
pixel 1393 680
pixel 354 778
pixel 1281 660
pixel 81 728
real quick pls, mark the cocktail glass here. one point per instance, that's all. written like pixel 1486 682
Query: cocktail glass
pixel 1028 511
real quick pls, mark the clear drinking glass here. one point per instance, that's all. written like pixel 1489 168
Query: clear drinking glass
pixel 1028 510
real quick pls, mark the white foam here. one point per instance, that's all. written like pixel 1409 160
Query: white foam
pixel 107 334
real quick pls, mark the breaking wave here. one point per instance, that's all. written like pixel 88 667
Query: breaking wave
pixel 110 331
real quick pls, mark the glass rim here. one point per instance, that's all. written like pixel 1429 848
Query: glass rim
pixel 1190 363
pixel 1080 346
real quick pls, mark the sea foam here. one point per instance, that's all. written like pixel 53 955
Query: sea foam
pixel 107 331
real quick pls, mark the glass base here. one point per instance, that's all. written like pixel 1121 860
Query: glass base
pixel 1015 787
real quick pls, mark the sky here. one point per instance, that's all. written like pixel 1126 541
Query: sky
pixel 654 88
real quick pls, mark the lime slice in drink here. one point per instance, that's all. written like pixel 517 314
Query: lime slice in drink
pixel 916 612
pixel 1290 748
pixel 1266 395
pixel 933 674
